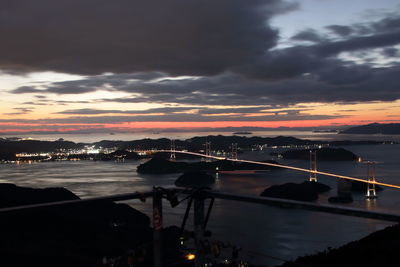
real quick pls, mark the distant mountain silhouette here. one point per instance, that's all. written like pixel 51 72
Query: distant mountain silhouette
pixel 9 147
pixel 374 128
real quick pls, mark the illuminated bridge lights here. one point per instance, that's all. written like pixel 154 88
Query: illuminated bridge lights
pixel 285 167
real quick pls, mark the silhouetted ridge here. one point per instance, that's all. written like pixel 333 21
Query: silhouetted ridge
pixel 374 128
pixel 378 249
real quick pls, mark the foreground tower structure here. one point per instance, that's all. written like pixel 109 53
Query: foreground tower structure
pixel 371 191
pixel 172 155
pixel 208 151
pixel 313 166
pixel 234 151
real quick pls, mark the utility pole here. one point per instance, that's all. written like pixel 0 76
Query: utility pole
pixel 157 228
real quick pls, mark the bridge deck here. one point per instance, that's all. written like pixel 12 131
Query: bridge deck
pixel 279 166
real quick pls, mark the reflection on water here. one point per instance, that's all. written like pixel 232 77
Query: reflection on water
pixel 259 230
pixel 370 203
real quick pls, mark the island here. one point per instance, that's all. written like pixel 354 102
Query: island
pixel 306 191
pixel 374 128
pixel 163 166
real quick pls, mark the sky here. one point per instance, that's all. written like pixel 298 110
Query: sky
pixel 100 66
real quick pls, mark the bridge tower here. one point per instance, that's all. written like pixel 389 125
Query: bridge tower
pixel 371 192
pixel 172 155
pixel 208 151
pixel 313 166
pixel 234 151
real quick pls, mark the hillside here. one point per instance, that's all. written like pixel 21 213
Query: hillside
pixel 374 128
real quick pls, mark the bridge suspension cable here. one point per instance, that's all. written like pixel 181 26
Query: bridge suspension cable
pixel 284 167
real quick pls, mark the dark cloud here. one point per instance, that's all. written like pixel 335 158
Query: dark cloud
pixel 340 30
pixel 20 111
pixel 198 110
pixel 88 111
pixel 331 83
pixel 339 74
pixel 65 102
pixel 26 89
pixel 293 61
pixel 357 43
pixel 76 120
pixel 34 103
pixel 225 48
pixel 96 36
pixel 388 24
pixel 260 109
pixel 308 35
pixel 390 52
pixel 242 33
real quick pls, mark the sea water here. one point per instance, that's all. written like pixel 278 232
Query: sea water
pixel 261 231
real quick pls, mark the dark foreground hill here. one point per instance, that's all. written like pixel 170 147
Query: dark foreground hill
pixel 85 234
pixel 378 249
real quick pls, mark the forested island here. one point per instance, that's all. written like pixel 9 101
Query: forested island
pixel 162 166
pixel 374 128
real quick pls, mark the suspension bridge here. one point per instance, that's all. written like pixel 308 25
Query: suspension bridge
pixel 313 172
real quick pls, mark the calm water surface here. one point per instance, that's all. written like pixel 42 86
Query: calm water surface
pixel 259 230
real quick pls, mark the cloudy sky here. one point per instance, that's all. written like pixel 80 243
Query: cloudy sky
pixel 128 65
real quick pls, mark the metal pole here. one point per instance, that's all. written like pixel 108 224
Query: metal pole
pixel 208 213
pixel 189 204
pixel 199 230
pixel 157 228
